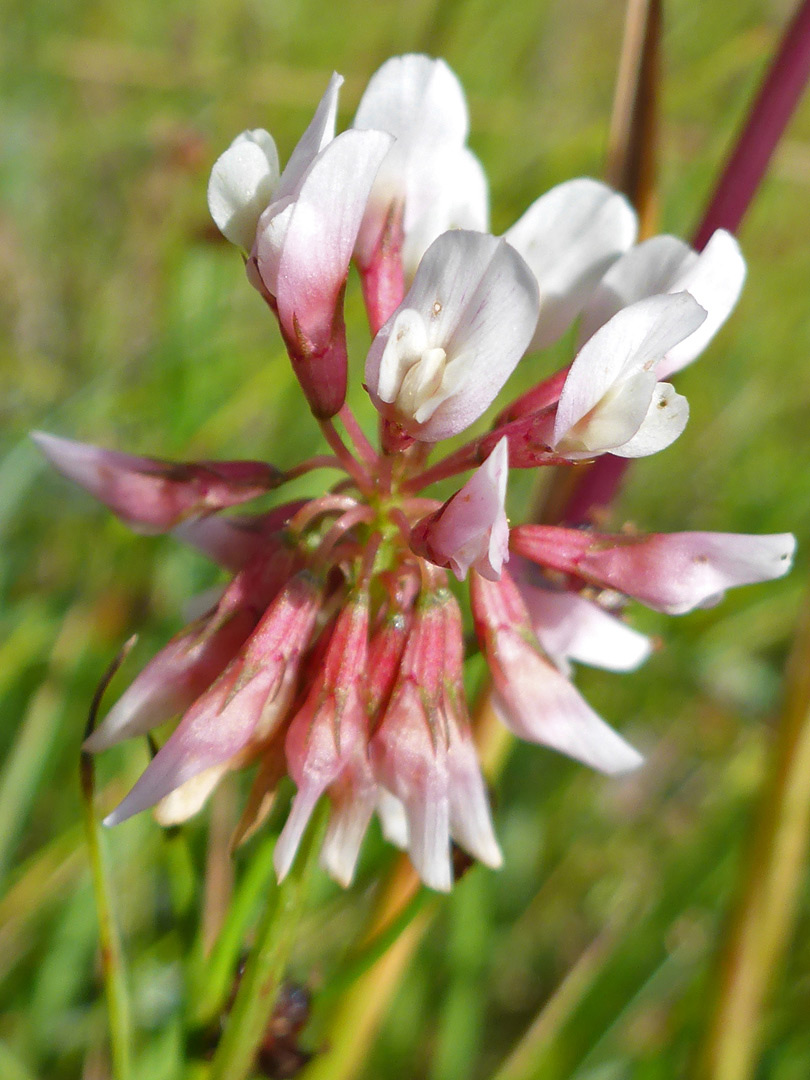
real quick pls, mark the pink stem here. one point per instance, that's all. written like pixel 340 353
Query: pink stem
pixel 328 504
pixel 341 527
pixel 361 444
pixel 319 461
pixel 767 119
pixel 351 465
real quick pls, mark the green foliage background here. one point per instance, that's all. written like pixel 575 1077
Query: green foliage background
pixel 127 323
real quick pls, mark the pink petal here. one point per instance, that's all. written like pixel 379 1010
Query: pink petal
pixel 313 262
pixel 471 529
pixel 672 572
pixel 152 495
pixel 533 698
pixel 242 708
pixel 327 740
pixel 569 627
pixel 236 540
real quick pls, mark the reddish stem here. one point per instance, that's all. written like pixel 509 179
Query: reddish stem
pixel 767 119
pixel 775 103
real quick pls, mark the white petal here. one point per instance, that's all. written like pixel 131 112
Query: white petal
pixel 715 280
pixel 569 627
pixel 290 837
pixel 187 800
pixel 470 818
pixel 243 181
pixel 318 135
pixel 569 237
pixel 418 100
pixel 634 340
pixel 445 191
pixel 665 264
pixel 348 822
pixel 479 303
pixel 393 818
pixel 556 715
pixel 666 418
pixel 406 343
pixel 652 267
pixel 429 839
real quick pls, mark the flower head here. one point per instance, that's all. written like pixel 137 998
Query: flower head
pixel 336 654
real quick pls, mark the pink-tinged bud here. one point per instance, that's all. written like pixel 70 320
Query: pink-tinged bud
pixel 151 495
pixel 303 249
pixel 533 698
pixel 422 751
pixel 244 708
pixel 326 747
pixel 235 540
pixel 471 529
pixel 192 660
pixel 673 572
pixel 440 360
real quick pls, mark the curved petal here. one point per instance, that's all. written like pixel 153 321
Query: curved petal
pixel 242 183
pixel 446 191
pixel 569 237
pixel 471 529
pixel 677 572
pixel 478 302
pixel 626 348
pixel 569 627
pixel 664 264
pixel 319 238
pixel 318 135
pixel 665 420
pixel 151 495
pixel 418 100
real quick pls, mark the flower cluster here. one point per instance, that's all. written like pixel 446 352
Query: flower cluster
pixel 335 655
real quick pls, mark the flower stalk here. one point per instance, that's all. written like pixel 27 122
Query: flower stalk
pixel 266 964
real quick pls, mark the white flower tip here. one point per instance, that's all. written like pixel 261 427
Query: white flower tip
pixel 241 186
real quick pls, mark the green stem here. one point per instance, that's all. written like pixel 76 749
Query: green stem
pixel 266 964
pixel 214 976
pixel 112 964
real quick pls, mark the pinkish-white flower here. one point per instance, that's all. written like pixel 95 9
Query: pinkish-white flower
pixel 670 572
pixel 429 180
pixel 612 401
pixel 326 748
pixel 246 178
pixel 241 711
pixel 464 324
pixel 153 496
pixel 534 699
pixel 664 264
pixel 571 627
pixel 423 754
pixel 570 237
pixel 471 529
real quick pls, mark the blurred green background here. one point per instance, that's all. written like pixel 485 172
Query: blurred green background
pixel 126 322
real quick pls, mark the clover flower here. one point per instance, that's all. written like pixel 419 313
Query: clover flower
pixel 336 653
